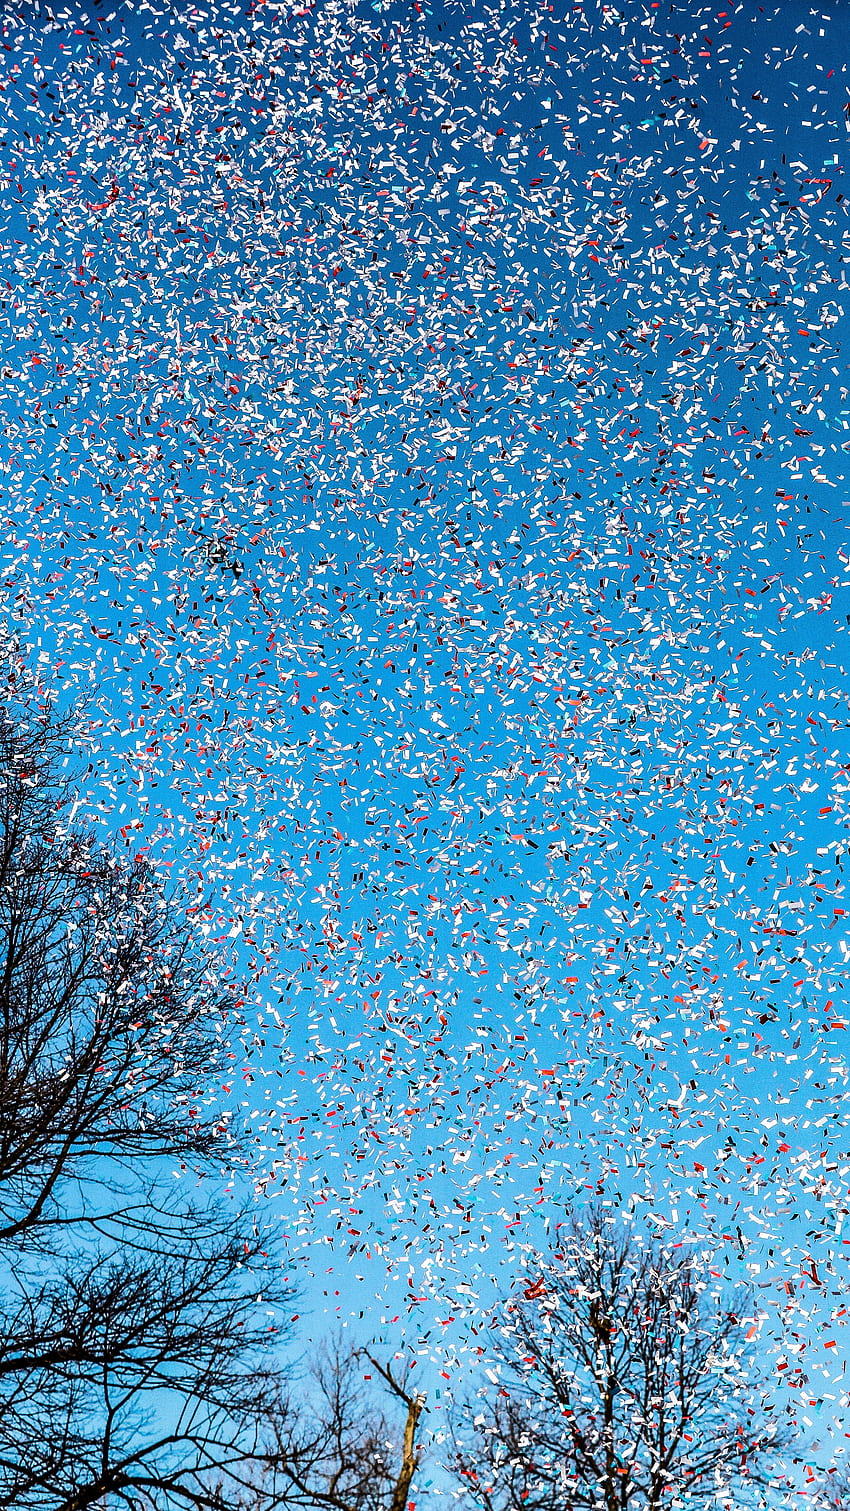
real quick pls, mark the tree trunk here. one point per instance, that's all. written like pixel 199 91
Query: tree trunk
pixel 408 1460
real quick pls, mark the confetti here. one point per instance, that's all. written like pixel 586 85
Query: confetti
pixel 425 435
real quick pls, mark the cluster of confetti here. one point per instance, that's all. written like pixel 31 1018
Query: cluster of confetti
pixel 424 442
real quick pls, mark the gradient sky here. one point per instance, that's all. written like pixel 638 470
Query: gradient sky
pixel 424 442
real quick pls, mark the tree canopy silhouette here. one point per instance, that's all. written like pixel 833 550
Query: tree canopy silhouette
pixel 334 1446
pixel 137 1323
pixel 624 1382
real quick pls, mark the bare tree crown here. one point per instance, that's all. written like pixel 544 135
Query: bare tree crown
pixel 624 1384
pixel 135 1358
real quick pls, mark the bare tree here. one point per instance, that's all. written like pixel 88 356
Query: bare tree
pixel 108 1006
pixel 144 1377
pixel 137 1327
pixel 333 1447
pixel 623 1382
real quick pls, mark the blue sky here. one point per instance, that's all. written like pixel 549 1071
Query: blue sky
pixel 425 445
